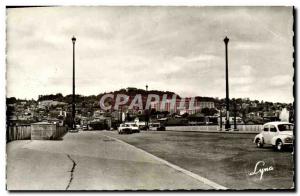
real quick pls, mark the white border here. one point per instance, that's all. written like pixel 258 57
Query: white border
pixel 151 2
pixel 4 3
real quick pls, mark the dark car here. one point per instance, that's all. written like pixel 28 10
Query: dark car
pixel 161 128
pixel 144 127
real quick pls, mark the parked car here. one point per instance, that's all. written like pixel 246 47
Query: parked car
pixel 154 126
pixel 161 128
pixel 124 128
pixel 84 127
pixel 134 128
pixel 144 127
pixel 73 130
pixel 277 134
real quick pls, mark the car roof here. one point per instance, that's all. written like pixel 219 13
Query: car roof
pixel 277 123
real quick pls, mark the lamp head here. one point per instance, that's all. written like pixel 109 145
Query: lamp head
pixel 73 39
pixel 226 40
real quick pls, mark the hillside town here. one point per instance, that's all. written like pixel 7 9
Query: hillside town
pixel 150 98
pixel 89 115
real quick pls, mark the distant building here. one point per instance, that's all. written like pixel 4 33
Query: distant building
pixel 284 115
pixel 98 113
pixel 130 89
pixel 245 105
pixel 48 103
pixel 181 106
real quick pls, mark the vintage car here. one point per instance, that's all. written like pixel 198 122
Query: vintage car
pixel 74 130
pixel 161 128
pixel 134 128
pixel 124 128
pixel 277 134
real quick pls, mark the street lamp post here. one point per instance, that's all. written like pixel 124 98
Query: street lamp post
pixel 227 124
pixel 220 118
pixel 73 95
pixel 147 111
pixel 234 111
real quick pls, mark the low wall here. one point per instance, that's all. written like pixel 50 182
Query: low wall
pixel 20 132
pixel 241 128
pixel 46 131
pixel 249 128
pixel 35 132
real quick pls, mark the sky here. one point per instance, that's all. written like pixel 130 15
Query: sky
pixel 179 49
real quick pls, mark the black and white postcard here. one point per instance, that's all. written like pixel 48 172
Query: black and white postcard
pixel 150 98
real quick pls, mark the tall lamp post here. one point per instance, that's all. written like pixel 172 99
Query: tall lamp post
pixel 147 111
pixel 227 124
pixel 73 95
pixel 234 112
pixel 221 118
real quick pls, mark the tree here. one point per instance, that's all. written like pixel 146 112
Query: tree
pixel 205 111
pixel 213 111
pixel 185 115
pixel 11 100
pixel 153 112
pixel 165 113
pixel 128 117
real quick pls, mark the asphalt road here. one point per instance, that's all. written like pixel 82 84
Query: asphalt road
pixel 227 159
pixel 90 161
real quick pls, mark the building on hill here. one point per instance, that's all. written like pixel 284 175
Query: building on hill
pixel 181 106
pixel 48 103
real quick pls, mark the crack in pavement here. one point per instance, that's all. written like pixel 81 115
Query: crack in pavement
pixel 72 171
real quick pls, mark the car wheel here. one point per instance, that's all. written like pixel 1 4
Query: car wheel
pixel 259 143
pixel 279 145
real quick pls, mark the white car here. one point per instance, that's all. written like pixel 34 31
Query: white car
pixel 124 128
pixel 277 134
pixel 134 128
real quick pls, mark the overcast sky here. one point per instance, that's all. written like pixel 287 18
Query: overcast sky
pixel 179 49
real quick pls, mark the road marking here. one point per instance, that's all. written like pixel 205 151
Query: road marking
pixel 176 167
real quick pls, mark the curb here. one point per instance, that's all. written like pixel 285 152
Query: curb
pixel 189 173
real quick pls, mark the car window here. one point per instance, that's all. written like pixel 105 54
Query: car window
pixel 286 127
pixel 266 128
pixel 272 128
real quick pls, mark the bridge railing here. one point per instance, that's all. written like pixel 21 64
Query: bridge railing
pixel 241 128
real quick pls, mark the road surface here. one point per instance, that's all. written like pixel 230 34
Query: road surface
pixel 150 160
pixel 225 158
pixel 90 161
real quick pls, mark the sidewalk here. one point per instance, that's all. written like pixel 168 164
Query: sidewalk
pixel 90 161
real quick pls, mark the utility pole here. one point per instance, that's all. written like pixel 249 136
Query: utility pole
pixel 73 95
pixel 227 124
